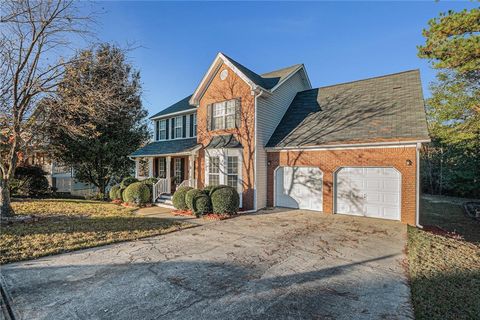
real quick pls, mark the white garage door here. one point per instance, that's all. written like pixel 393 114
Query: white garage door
pixel 299 187
pixel 370 192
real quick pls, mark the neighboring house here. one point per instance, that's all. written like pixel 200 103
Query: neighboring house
pixel 351 148
pixel 59 177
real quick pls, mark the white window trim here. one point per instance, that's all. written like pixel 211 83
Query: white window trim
pixel 223 154
pixel 194 125
pixel 161 162
pixel 178 125
pixel 224 115
pixel 164 121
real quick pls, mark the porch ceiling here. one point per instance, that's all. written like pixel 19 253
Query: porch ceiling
pixel 158 148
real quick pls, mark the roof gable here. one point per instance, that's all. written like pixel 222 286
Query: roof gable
pixel 384 108
pixel 267 81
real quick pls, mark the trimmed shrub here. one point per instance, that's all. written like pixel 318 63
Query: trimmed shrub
pixel 208 189
pixel 215 188
pixel 127 181
pixel 179 198
pixel 191 194
pixel 29 181
pixel 198 201
pixel 114 192
pixel 225 200
pixel 202 204
pixel 150 182
pixel 137 193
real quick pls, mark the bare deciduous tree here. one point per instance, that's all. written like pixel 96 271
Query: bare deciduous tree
pixel 33 37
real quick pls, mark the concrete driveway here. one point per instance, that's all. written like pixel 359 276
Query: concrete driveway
pixel 280 264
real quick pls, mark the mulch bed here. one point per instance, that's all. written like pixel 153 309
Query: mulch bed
pixel 208 216
pixel 186 213
pixel 216 216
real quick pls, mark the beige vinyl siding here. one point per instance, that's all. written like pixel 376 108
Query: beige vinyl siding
pixel 270 111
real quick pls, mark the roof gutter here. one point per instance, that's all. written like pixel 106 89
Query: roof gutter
pixel 347 145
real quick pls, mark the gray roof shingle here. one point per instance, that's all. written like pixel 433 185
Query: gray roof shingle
pixel 224 141
pixel 179 106
pixel 166 147
pixel 389 107
pixel 266 80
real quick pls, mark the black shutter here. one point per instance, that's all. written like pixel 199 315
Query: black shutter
pixel 166 129
pixel 173 128
pixel 238 113
pixel 184 126
pixel 157 130
pixel 209 117
pixel 191 125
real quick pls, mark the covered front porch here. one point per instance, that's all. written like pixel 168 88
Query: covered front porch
pixel 172 171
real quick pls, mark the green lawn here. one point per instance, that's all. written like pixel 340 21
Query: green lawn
pixel 445 264
pixel 66 225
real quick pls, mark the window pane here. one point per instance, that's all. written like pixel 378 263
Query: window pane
pixel 178 132
pixel 218 123
pixel 230 122
pixel 163 124
pixel 163 134
pixel 232 181
pixel 232 165
pixel 231 106
pixel 219 109
pixel 213 180
pixel 214 165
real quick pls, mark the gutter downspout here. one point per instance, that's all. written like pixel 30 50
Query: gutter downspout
pixel 255 207
pixel 417 187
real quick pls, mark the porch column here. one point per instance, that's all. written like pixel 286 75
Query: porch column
pixel 150 167
pixel 191 177
pixel 168 174
pixel 136 167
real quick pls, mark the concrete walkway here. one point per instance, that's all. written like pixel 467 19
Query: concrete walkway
pixel 289 264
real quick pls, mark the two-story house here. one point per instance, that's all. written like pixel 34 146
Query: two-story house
pixel 350 148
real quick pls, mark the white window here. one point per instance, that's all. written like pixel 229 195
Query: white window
pixel 232 172
pixel 162 170
pixel 223 114
pixel 214 171
pixel 177 170
pixel 162 130
pixel 194 125
pixel 179 127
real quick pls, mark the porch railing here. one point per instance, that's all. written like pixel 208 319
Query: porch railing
pixel 162 186
pixel 188 183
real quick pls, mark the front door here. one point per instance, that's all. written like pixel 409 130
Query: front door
pixel 178 172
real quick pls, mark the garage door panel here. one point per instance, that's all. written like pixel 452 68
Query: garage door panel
pixel 372 192
pixel 299 187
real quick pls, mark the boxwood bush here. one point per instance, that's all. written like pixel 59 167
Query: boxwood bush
pixel 212 189
pixel 127 181
pixel 225 200
pixel 115 193
pixel 137 193
pixel 198 201
pixel 179 198
pixel 150 182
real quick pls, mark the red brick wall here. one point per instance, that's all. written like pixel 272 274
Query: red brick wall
pixel 233 87
pixel 331 160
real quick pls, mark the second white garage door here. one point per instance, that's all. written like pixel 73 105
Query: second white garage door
pixel 372 192
pixel 299 187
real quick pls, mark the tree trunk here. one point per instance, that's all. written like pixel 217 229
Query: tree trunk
pixel 6 209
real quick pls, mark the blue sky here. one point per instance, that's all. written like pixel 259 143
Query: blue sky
pixel 337 41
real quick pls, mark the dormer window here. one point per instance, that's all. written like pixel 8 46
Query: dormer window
pixel 225 114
